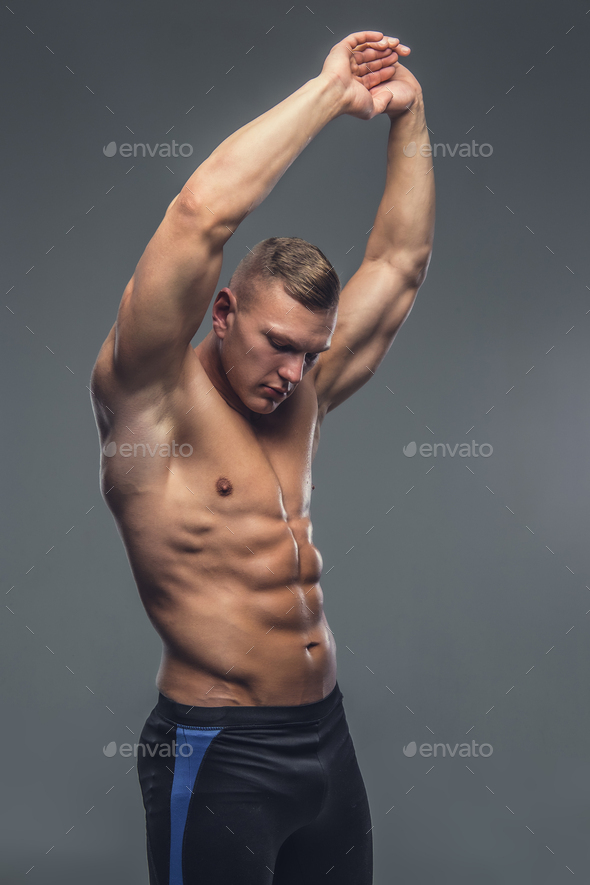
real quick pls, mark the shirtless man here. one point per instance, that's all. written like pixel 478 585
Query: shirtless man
pixel 246 764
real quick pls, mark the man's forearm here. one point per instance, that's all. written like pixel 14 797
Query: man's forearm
pixel 242 171
pixel 404 226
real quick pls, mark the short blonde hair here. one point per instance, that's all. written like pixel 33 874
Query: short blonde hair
pixel 303 269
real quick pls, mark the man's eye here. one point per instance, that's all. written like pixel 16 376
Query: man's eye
pixel 309 357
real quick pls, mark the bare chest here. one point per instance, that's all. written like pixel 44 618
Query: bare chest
pixel 204 454
pixel 263 465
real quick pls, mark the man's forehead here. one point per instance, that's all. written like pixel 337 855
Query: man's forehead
pixel 285 316
pixel 297 329
pixel 319 334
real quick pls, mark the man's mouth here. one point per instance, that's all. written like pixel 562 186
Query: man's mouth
pixel 276 391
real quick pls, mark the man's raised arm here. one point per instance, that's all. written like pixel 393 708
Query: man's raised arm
pixel 379 296
pixel 168 296
pixel 404 225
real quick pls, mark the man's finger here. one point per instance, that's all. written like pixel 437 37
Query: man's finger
pixel 379 64
pixel 384 43
pixel 381 98
pixel 375 57
pixel 363 37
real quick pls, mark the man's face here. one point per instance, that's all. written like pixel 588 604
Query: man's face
pixel 272 346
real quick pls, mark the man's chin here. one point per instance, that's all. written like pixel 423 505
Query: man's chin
pixel 265 402
pixel 260 404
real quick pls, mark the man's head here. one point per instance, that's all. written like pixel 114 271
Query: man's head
pixel 274 319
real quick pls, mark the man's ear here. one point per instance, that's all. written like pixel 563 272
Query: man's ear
pixel 224 304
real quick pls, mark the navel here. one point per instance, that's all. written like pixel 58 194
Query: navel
pixel 224 486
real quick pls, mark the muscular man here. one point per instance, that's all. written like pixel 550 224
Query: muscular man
pixel 246 764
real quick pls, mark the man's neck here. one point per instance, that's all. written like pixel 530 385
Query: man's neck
pixel 210 358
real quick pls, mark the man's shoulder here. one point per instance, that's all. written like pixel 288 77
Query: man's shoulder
pixel 114 395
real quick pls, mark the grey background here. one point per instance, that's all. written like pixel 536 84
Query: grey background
pixel 450 598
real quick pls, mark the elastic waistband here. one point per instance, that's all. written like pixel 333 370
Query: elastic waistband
pixel 246 715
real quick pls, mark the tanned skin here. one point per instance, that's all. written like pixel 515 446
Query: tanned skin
pixel 210 482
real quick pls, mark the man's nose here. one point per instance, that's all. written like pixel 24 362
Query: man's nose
pixel 292 369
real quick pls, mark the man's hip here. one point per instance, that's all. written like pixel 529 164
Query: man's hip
pixel 264 794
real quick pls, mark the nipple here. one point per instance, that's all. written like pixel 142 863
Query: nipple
pixel 224 486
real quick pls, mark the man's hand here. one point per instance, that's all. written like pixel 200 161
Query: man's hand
pixel 399 92
pixel 362 63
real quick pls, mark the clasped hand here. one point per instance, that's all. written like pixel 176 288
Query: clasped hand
pixel 366 66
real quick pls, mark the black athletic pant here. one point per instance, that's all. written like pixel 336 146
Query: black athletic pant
pixel 254 796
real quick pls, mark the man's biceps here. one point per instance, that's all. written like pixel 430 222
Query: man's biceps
pixel 176 278
pixel 338 376
pixel 183 243
pixel 143 358
pixel 153 329
pixel 173 265
pixel 352 370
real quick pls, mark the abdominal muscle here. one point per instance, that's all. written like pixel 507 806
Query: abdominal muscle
pixel 234 658
pixel 239 611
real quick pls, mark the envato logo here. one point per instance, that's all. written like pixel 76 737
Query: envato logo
pixel 465 149
pixel 464 749
pixel 168 750
pixel 133 150
pixel 466 450
pixel 164 450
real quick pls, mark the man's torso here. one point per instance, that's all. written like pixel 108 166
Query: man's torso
pixel 214 512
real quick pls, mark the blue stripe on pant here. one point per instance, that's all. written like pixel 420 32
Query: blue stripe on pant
pixel 186 768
